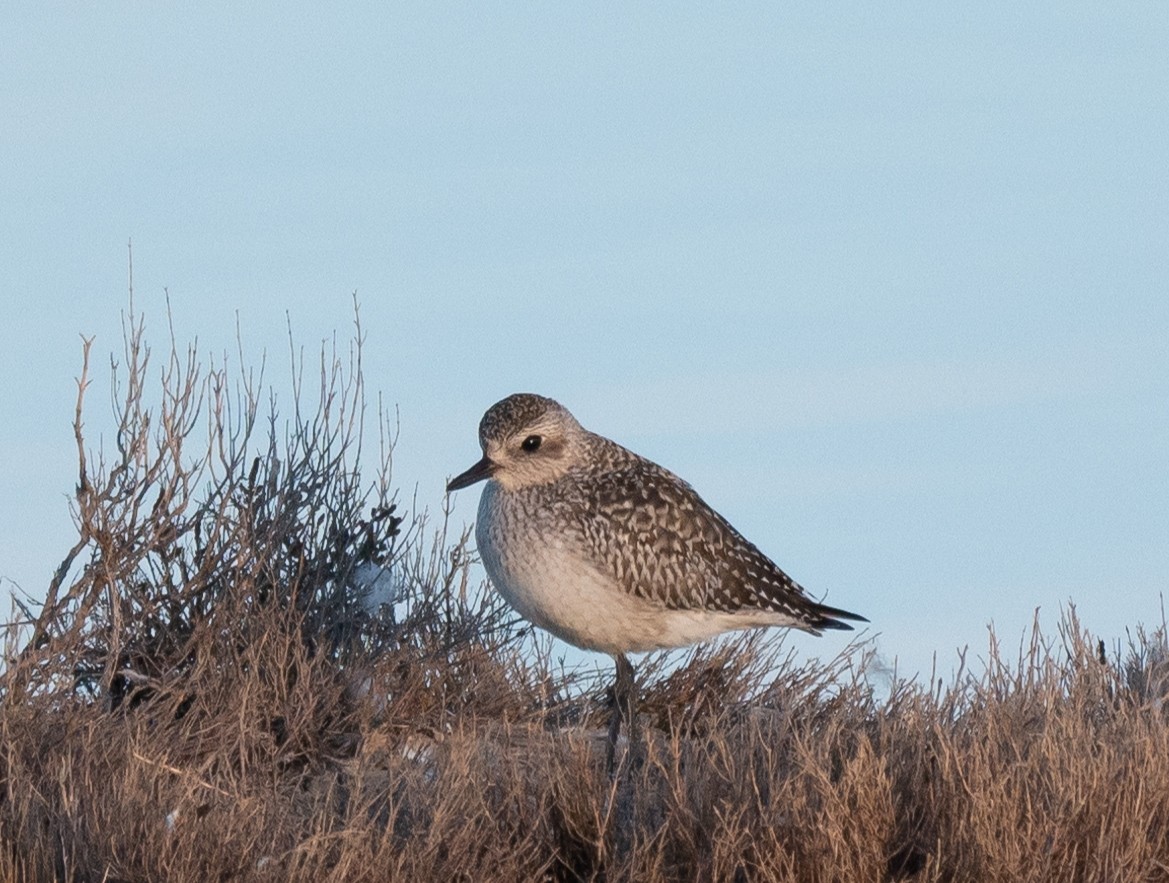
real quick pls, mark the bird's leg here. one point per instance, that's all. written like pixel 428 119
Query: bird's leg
pixel 624 706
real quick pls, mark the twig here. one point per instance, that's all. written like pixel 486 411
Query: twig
pixel 183 773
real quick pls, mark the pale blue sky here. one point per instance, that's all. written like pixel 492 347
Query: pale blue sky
pixel 888 284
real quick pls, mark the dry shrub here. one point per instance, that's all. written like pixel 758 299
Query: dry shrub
pixel 206 693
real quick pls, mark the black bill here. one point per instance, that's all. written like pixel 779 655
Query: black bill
pixel 478 472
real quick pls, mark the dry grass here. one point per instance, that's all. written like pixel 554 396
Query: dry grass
pixel 202 696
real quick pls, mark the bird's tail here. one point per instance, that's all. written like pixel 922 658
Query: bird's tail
pixel 825 617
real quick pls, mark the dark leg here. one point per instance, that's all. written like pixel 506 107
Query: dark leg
pixel 624 707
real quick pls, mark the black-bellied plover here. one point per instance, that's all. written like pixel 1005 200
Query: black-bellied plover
pixel 611 552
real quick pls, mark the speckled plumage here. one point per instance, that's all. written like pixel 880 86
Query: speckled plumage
pixel 610 551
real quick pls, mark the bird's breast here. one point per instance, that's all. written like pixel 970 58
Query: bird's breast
pixel 540 565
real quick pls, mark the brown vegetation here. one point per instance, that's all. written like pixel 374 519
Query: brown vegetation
pixel 204 696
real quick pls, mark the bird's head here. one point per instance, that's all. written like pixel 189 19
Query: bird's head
pixel 526 440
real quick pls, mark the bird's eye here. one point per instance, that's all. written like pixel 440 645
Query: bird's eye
pixel 531 444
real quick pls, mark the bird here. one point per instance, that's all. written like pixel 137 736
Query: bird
pixel 611 552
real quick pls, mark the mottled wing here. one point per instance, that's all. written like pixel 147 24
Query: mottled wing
pixel 662 542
